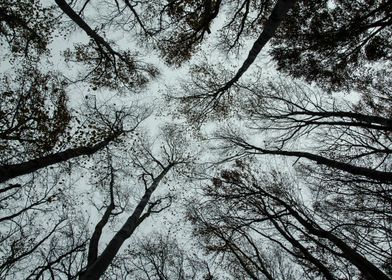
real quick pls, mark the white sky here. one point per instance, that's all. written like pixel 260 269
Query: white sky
pixel 153 94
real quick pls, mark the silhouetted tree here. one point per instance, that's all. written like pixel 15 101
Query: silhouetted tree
pixel 330 43
pixel 106 66
pixel 246 209
pixel 98 131
pixel 206 95
pixel 39 238
pixel 24 35
pixel 350 138
pixel 160 256
pixel 252 221
pixel 153 169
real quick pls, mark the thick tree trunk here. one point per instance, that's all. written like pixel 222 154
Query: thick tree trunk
pixel 98 268
pixel 10 171
pixel 307 255
pixel 277 15
pixel 369 270
pixel 352 169
pixel 62 4
pixel 367 121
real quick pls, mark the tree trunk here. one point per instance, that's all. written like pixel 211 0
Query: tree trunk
pixel 306 254
pixel 82 24
pixel 94 241
pixel 278 13
pixel 369 270
pixel 352 169
pixel 98 268
pixel 10 171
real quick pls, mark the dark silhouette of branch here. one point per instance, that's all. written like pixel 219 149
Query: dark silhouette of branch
pixel 355 170
pixel 98 267
pixel 82 24
pixel 39 271
pixel 10 187
pixel 369 270
pixel 277 15
pixel 13 259
pixel 10 171
pixel 94 241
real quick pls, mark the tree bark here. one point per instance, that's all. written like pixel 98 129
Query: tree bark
pixel 94 241
pixel 352 169
pixel 369 270
pixel 83 25
pixel 363 120
pixel 98 268
pixel 277 15
pixel 10 171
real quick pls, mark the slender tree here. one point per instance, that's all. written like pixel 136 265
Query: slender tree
pixel 247 204
pixel 210 95
pixel 107 66
pixel 154 170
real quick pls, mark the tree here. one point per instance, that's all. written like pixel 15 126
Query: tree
pixel 346 172
pixel 159 256
pixel 41 235
pixel 73 174
pixel 332 55
pixel 178 28
pixel 347 138
pixel 26 36
pixel 251 208
pixel 29 206
pixel 106 128
pixel 208 94
pixel 34 113
pixel 64 255
pixel 106 66
pixel 153 171
pixel 57 248
pixel 325 44
pixel 278 12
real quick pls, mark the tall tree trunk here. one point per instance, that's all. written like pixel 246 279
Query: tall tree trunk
pixel 10 171
pixel 63 5
pixel 98 268
pixel 363 120
pixel 352 169
pixel 368 269
pixel 278 13
pixel 307 255
pixel 94 241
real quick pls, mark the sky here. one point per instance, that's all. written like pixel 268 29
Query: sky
pixel 85 194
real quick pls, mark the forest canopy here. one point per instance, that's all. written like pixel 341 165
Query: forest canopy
pixel 203 139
